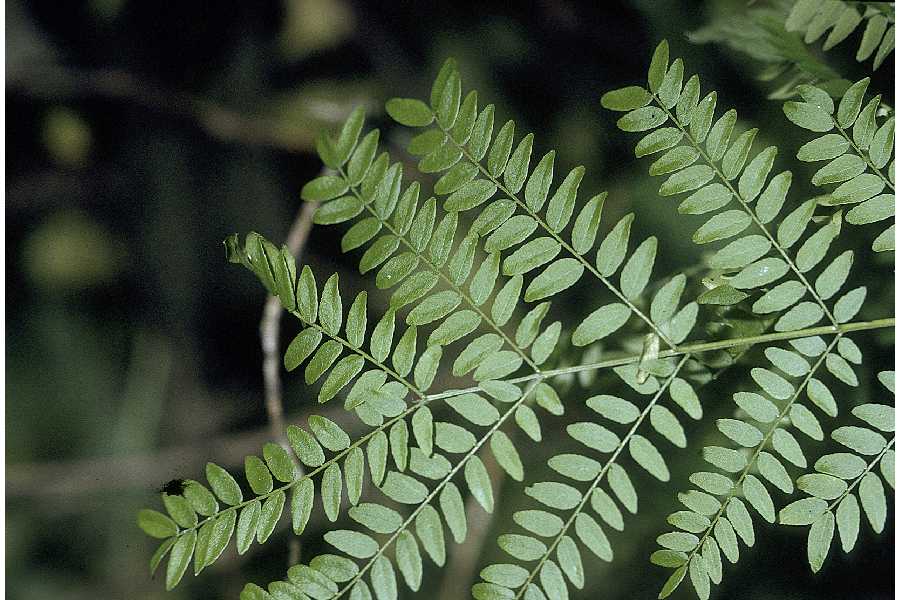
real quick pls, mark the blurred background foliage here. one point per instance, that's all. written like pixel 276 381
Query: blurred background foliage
pixel 140 134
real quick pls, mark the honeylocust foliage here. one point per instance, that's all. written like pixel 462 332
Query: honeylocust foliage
pixel 468 360
pixel 830 22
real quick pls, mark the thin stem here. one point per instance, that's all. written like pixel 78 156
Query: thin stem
pixel 612 459
pixel 56 83
pixel 270 337
pixel 684 350
pixel 284 488
pixel 746 206
pixel 869 467
pixel 695 348
pixel 751 462
pixel 366 356
pixel 587 265
pixel 434 269
pixel 436 490
pixel 355 349
pixel 863 155
pixel 269 327
pixel 465 557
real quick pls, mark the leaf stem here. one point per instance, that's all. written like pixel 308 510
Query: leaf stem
pixel 536 378
pixel 434 269
pixel 587 265
pixel 863 155
pixel 745 205
pixel 695 348
pixel 869 467
pixel 370 561
pixel 612 459
pixel 776 424
pixel 307 475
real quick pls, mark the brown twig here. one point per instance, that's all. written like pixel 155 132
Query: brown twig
pixel 54 82
pixel 64 479
pixel 270 336
pixel 61 480
pixel 270 324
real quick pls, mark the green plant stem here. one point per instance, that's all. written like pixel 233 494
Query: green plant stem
pixel 746 206
pixel 434 269
pixel 869 467
pixel 683 350
pixel 367 356
pixel 284 488
pixel 695 348
pixel 863 155
pixel 354 349
pixel 751 462
pixel 440 486
pixel 612 459
pixel 587 265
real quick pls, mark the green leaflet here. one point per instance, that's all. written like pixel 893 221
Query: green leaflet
pixel 507 456
pixel 754 176
pixel 736 155
pixel 614 246
pixel 647 456
pixel 842 168
pixel 408 111
pixel 626 99
pixel 720 134
pixel 851 102
pixel 686 180
pixel 328 433
pixel 802 512
pixel 674 160
pixel 513 231
pixel 602 322
pixel 722 226
pixel 875 209
pixel 430 532
pixel 707 199
pixel 808 116
pixel 657 141
pixel 726 459
pixel 479 483
pixel 323 188
pixel 642 119
pixel 759 273
pixel 436 306
pixel 470 195
pixel 587 223
pixel 179 558
pixel 724 295
pixel 825 147
pixel 819 540
pixel 517 168
pixel 475 409
pixel 659 65
pixel 780 297
pixel 740 252
pixel 772 199
pixel 558 276
pixel 636 272
pixel 156 524
pixel 531 255
pixel 562 203
pixel 499 152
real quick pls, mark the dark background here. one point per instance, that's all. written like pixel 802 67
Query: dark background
pixel 141 133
